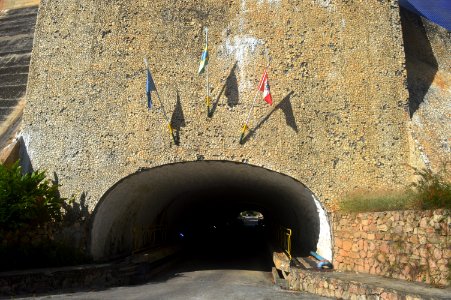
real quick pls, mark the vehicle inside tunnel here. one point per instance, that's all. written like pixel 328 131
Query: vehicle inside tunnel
pixel 210 207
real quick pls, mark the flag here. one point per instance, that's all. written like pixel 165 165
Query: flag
pixel 203 60
pixel 150 86
pixel 264 87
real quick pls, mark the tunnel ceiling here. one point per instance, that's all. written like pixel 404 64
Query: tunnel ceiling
pixel 203 186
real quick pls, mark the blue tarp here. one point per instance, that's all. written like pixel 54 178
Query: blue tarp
pixel 437 11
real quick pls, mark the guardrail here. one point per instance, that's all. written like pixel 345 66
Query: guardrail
pixel 147 237
pixel 284 239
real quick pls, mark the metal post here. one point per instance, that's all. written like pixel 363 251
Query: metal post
pixel 206 71
pixel 246 124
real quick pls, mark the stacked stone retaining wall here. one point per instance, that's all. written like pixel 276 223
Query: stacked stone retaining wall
pixel 409 245
pixel 346 285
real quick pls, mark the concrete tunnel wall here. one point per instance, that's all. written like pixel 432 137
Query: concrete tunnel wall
pixel 338 122
pixel 140 198
pixel 337 80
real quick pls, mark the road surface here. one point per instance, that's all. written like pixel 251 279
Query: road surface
pixel 219 269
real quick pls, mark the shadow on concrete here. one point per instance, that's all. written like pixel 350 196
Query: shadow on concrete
pixel 77 211
pixel 229 89
pixel 25 161
pixel 421 63
pixel 287 109
pixel 177 119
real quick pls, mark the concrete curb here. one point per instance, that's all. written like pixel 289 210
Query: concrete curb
pixel 279 280
pixel 348 285
pixel 123 272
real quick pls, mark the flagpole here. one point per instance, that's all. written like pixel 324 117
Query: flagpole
pixel 206 71
pixel 171 130
pixel 246 126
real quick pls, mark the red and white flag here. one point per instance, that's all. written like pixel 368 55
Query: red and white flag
pixel 264 87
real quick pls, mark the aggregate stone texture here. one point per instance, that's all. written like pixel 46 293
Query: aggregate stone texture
pixel 337 73
pixel 347 285
pixel 408 245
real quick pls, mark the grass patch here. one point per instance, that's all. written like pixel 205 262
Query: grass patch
pixel 364 201
pixel 430 191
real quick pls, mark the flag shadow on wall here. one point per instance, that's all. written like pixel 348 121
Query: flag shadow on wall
pixel 229 89
pixel 287 109
pixel 177 119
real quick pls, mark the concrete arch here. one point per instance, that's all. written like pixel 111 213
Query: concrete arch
pixel 182 193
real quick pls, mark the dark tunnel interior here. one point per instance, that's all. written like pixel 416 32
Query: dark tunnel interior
pixel 200 205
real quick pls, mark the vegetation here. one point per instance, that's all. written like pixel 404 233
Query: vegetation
pixel 362 201
pixel 27 200
pixel 31 210
pixel 431 191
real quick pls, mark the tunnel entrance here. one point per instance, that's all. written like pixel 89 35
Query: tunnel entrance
pixel 217 205
pixel 227 241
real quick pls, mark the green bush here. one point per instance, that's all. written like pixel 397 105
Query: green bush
pixel 432 190
pixel 31 211
pixel 27 199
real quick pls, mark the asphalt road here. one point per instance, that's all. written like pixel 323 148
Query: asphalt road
pixel 204 284
pixel 217 270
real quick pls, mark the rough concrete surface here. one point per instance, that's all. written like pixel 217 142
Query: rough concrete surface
pixel 337 77
pixel 428 47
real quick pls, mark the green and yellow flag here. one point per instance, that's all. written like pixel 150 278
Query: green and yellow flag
pixel 203 60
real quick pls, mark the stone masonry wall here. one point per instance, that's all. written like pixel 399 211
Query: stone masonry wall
pixel 409 245
pixel 337 78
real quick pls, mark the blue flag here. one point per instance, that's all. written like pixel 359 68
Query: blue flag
pixel 150 86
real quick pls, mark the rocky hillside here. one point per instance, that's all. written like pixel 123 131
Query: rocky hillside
pixel 427 48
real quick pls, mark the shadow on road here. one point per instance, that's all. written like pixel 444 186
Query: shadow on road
pixel 234 248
